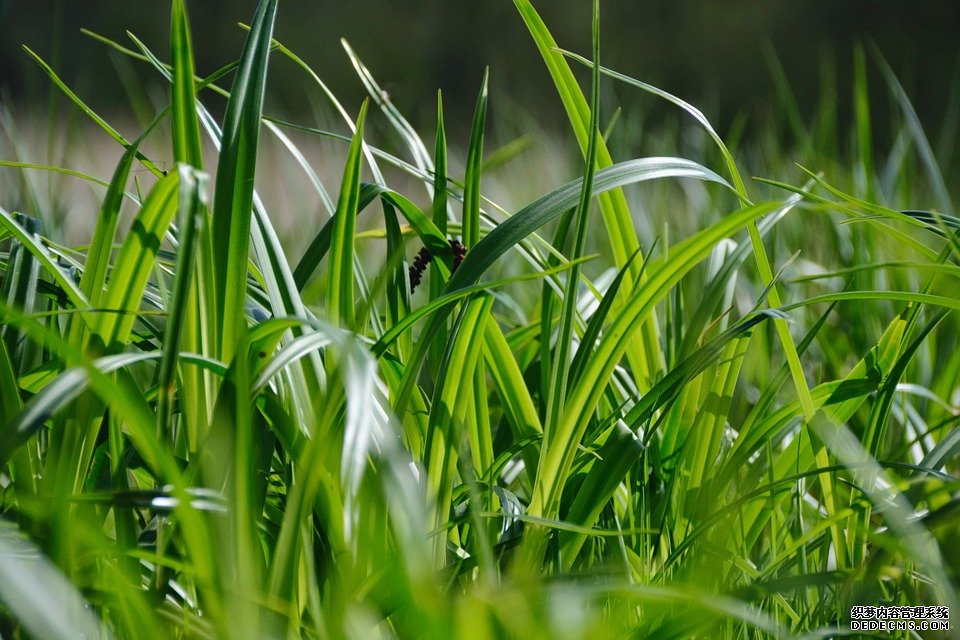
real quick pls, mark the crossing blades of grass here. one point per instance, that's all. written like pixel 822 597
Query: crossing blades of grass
pixel 557 386
pixel 524 222
pixel 645 356
pixel 557 460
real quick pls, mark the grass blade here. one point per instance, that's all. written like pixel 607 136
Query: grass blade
pixel 233 196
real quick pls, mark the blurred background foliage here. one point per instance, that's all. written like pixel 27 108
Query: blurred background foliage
pixel 714 53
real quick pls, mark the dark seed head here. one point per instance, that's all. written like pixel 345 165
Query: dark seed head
pixel 423 259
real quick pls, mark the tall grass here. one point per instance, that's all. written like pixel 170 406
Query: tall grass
pixel 588 427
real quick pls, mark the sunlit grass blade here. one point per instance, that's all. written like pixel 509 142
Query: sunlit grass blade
pixel 98 255
pixel 448 409
pixel 340 297
pixel 135 264
pixel 186 130
pixel 382 99
pixel 193 217
pixel 735 176
pixel 471 190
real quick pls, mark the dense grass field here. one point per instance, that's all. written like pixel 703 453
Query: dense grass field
pixel 663 399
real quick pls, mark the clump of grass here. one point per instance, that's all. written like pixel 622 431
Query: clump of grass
pixel 738 433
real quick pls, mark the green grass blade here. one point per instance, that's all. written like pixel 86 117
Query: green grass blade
pixel 186 129
pixel 448 411
pixel 193 215
pixel 340 297
pixel 861 97
pixel 409 135
pixel 546 208
pixel 428 233
pixel 557 386
pixel 233 197
pixel 135 263
pixel 93 280
pixel 557 460
pixel 471 189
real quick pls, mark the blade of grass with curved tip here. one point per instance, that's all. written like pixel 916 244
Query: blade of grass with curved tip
pixel 233 195
pixel 340 299
pixel 165 69
pixel 409 135
pixel 61 170
pixel 755 238
pixel 368 152
pixel 93 280
pixel 548 207
pixel 735 176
